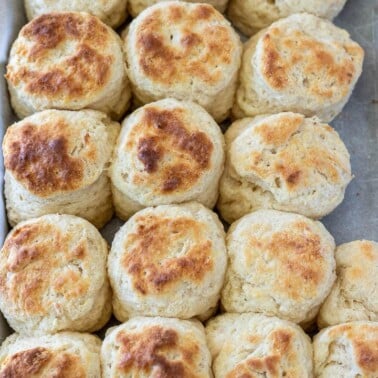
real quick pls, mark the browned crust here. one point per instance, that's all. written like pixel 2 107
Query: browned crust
pixel 86 69
pixel 166 135
pixel 38 156
pixel 364 340
pixel 147 249
pixel 200 55
pixel 149 351
pixel 41 362
pixel 298 251
pixel 293 163
pixel 313 59
pixel 31 266
pixel 282 348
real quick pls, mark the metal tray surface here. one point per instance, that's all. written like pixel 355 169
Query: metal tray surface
pixel 357 217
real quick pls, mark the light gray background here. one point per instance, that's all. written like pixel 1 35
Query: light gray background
pixel 357 216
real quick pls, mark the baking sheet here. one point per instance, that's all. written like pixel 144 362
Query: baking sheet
pixel 357 216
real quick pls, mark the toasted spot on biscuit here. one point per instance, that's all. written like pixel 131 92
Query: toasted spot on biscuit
pixel 188 52
pixel 173 152
pixel 156 259
pixel 26 256
pixel 285 53
pixel 40 159
pixel 82 70
pixel 36 361
pixel 30 361
pixel 367 355
pixel 147 351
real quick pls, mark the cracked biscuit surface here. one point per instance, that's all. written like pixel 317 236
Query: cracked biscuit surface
pixel 168 261
pixel 53 276
pixel 354 294
pixel 254 345
pixel 347 350
pixel 280 264
pixel 285 162
pixel 302 64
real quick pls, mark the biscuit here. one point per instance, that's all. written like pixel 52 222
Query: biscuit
pixel 168 152
pixel 285 162
pixel 56 161
pixel 254 345
pixel 347 350
pixel 67 354
pixel 302 64
pixel 137 6
pixel 279 264
pixel 53 276
pixel 168 261
pixel 156 347
pixel 185 51
pixel 111 12
pixel 69 61
pixel 249 16
pixel 354 294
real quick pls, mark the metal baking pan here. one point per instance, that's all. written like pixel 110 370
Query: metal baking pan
pixel 357 216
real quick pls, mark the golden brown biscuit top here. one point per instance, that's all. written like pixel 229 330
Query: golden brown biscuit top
pixel 292 155
pixel 161 251
pixel 363 337
pixel 51 157
pixel 173 152
pixel 294 249
pixel 159 351
pixel 42 363
pixel 61 56
pixel 293 60
pixel 41 266
pixel 357 264
pixel 182 43
pixel 369 250
pixel 281 352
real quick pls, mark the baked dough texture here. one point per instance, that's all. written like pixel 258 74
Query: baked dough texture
pixel 168 261
pixel 137 6
pixel 53 276
pixel 64 355
pixel 302 64
pixel 69 61
pixel 284 162
pixel 279 264
pixel 354 294
pixel 57 161
pixel 347 350
pixel 254 345
pixel 185 51
pixel 156 347
pixel 168 152
pixel 111 12
pixel 249 16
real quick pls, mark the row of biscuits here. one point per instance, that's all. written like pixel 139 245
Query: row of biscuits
pixel 176 261
pixel 232 345
pixel 248 15
pixel 167 152
pixel 186 51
